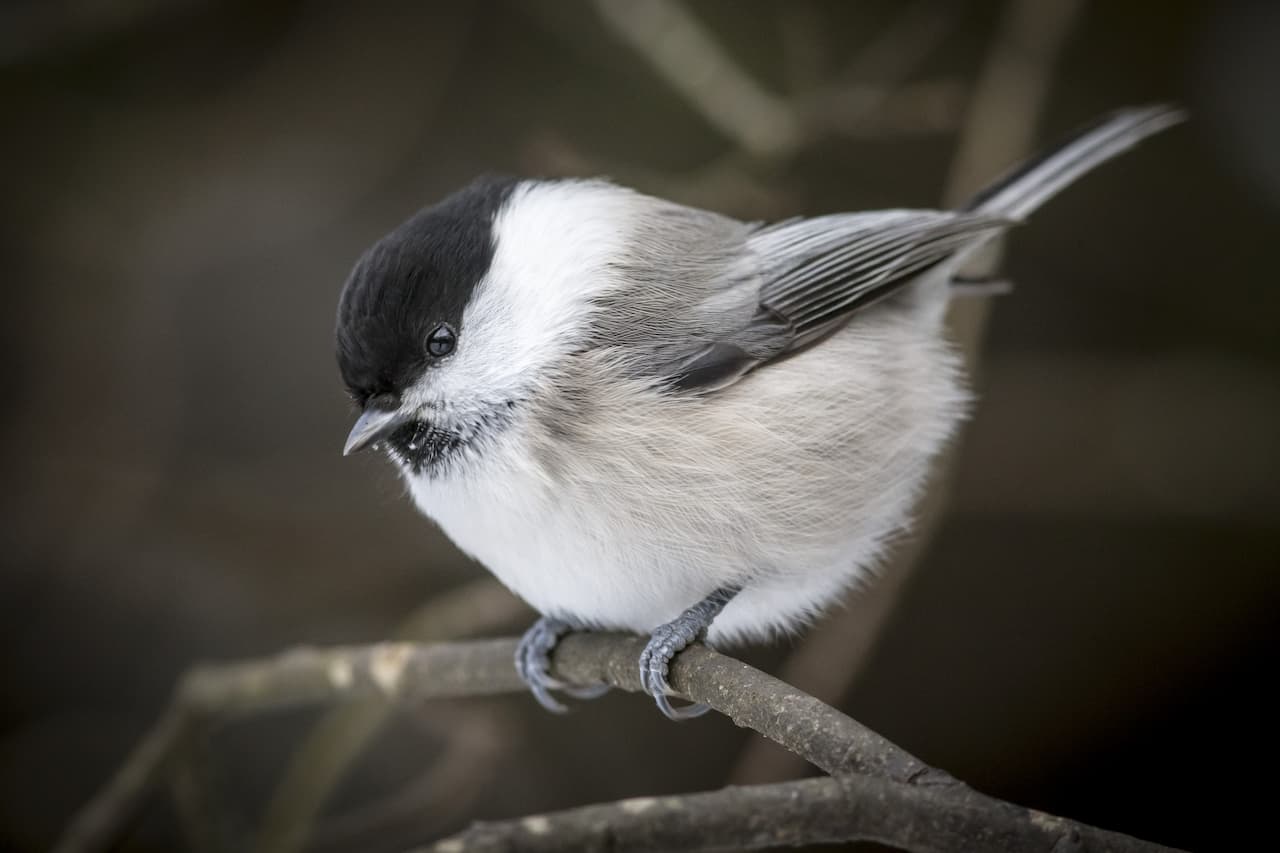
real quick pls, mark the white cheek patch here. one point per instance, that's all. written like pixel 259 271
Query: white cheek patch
pixel 554 243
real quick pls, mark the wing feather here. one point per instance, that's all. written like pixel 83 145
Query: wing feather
pixel 819 273
pixel 828 267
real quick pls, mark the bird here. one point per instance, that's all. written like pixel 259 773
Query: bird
pixel 647 417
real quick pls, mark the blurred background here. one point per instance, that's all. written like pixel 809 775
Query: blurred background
pixel 1089 621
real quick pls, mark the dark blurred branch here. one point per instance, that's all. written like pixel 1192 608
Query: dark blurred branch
pixel 108 814
pixel 472 740
pixel 872 97
pixel 407 673
pixel 919 818
pixel 193 790
pixel 876 78
pixel 304 676
pixel 769 127
pixel 740 182
pixel 478 608
pixel 1010 93
pixel 694 63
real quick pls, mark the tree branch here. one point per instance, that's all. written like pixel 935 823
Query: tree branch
pixel 815 731
pixel 906 790
pixel 809 811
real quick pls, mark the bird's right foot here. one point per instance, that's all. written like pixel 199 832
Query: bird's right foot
pixel 533 663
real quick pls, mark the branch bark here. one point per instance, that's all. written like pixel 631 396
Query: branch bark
pixel 876 777
pixel 809 811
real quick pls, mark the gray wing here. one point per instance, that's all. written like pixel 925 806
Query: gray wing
pixel 820 272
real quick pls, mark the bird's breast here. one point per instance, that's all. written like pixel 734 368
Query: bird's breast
pixel 566 553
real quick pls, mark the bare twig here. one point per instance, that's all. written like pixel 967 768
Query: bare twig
pixel 303 676
pixel 473 740
pixel 868 99
pixel 108 814
pixel 191 783
pixel 696 65
pixel 902 44
pixel 820 734
pixel 809 811
pixel 744 184
pixel 999 128
pixel 879 70
pixel 801 31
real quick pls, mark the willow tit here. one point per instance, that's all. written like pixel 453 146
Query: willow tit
pixel 647 417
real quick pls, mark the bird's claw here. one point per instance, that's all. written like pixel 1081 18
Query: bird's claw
pixel 655 661
pixel 533 664
pixel 533 656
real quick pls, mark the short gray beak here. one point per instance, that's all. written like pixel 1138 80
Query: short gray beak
pixel 372 425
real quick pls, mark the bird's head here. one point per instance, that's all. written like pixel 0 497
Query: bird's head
pixel 451 323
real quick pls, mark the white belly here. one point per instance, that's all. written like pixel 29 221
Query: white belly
pixel 787 484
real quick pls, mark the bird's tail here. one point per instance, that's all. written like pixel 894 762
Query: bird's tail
pixel 1033 183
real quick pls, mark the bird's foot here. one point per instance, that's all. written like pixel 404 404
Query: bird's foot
pixel 533 663
pixel 672 638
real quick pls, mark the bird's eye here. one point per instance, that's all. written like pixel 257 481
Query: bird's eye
pixel 441 340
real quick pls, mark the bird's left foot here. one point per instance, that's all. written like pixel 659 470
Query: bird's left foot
pixel 533 663
pixel 672 638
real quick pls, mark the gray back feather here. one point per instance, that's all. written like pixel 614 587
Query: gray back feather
pixel 690 281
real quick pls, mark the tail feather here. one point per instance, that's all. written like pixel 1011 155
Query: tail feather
pixel 1033 183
